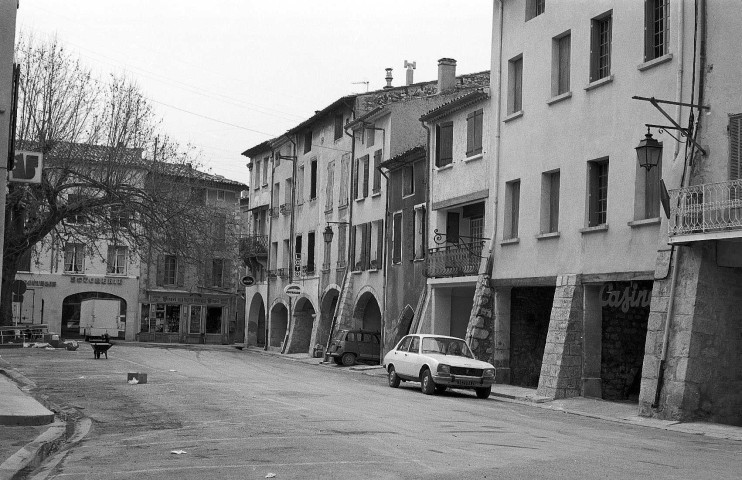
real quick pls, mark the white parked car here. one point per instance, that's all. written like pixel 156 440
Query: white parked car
pixel 438 362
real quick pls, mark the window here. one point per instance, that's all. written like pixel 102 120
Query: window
pixel 220 227
pixel 597 192
pixel 560 64
pixel 73 258
pixel 550 202
pixel 512 209
pixel 276 195
pixel 600 46
pixel 474 133
pixel 735 147
pixel 452 227
pixel 24 263
pixel 256 177
pixel 419 224
pixel 408 180
pixel 370 136
pixel 362 246
pixel 170 269
pixel 288 259
pixel 443 144
pixel 338 126
pixel 217 272
pixel 656 28
pixel 476 228
pixel 220 195
pixel 119 217
pixel 116 263
pixel 647 197
pixel 310 252
pixel 515 85
pixel 273 260
pixel 534 8
pixel 362 170
pixel 397 238
pixel 342 241
pixel 344 173
pixel 313 179
pixel 72 200
pixel 377 173
pixel 330 186
pixel 299 187
pixel 265 171
pixel 379 247
pixel 308 142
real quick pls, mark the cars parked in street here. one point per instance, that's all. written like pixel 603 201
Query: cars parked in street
pixel 438 362
pixel 349 346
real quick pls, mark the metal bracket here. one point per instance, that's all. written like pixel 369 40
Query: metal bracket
pixel 675 126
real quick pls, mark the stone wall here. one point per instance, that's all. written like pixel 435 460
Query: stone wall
pixel 561 370
pixel 530 312
pixel 479 332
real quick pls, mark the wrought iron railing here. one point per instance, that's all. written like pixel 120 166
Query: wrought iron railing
pixel 454 261
pixel 710 207
pixel 254 246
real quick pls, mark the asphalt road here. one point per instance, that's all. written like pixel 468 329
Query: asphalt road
pixel 244 415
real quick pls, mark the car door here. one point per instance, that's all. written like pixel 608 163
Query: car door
pixel 399 355
pixel 413 359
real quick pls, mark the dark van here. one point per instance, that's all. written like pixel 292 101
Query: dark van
pixel 348 346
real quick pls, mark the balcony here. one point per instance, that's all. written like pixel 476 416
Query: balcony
pixel 711 211
pixel 252 246
pixel 454 261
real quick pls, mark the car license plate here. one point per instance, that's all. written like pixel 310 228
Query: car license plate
pixel 467 383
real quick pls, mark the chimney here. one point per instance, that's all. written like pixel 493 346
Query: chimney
pixel 410 66
pixel 446 74
pixel 388 78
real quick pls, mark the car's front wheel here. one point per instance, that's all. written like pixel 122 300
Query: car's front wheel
pixel 348 359
pixel 427 385
pixel 393 377
pixel 337 360
pixel 483 392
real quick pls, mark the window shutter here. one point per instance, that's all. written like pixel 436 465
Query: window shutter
pixel 355 177
pixel 478 118
pixel 377 173
pixel 594 41
pixel 208 267
pixel 367 246
pixel 352 251
pixel 397 247
pixel 111 259
pixel 470 134
pixel 446 143
pixel 365 175
pixel 227 276
pixel 160 274
pixel 342 252
pixel 452 227
pixel 438 146
pixel 410 227
pixel 380 243
pixel 735 147
pixel 554 202
pixel 180 265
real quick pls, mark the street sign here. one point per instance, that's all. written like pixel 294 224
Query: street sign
pixel 247 280
pixel 297 264
pixel 293 290
pixel 26 167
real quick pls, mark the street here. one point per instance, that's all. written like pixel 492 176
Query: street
pixel 244 415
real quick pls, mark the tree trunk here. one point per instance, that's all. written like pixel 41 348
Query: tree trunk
pixel 10 268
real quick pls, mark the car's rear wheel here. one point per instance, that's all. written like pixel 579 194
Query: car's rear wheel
pixel 483 392
pixel 348 359
pixel 427 385
pixel 393 377
pixel 440 388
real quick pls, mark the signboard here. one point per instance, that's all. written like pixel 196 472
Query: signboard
pixel 293 290
pixel 297 264
pixel 26 167
pixel 247 281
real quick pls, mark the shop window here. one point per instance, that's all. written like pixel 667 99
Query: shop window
pixel 194 324
pixel 117 260
pixel 213 322
pixel 74 258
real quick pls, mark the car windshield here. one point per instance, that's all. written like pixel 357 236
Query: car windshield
pixel 339 335
pixel 446 346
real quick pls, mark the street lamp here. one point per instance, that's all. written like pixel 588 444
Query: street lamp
pixel 328 234
pixel 649 152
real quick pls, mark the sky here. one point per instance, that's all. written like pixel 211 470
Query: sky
pixel 226 75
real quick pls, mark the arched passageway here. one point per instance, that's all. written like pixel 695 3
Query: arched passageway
pixel 78 307
pixel 278 324
pixel 301 328
pixel 327 312
pixel 256 322
pixel 367 313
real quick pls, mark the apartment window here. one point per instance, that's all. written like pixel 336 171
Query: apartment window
pixel 534 8
pixel 735 147
pixel 515 85
pixel 73 199
pixel 338 126
pixel 220 195
pixel 273 260
pixel 419 225
pixel 362 170
pixel 288 259
pixel 116 262
pixel 256 177
pixel 647 200
pixel 377 172
pixel 74 258
pixel 217 272
pixel 299 187
pixel 362 246
pixel 397 238
pixel 512 209
pixel 119 217
pixel 408 180
pixel 313 179
pixel 170 270
pixel 550 202
pixel 453 221
pixel 597 192
pixel 265 171
pixel 342 241
pixel 308 142
pixel 379 247
pixel 344 174
pixel 474 132
pixel 24 264
pixel 330 185
pixel 443 144
pixel 561 58
pixel 600 46
pixel 476 228
pixel 370 136
pixel 220 227
pixel 656 28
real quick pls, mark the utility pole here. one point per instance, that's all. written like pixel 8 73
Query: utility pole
pixel 8 10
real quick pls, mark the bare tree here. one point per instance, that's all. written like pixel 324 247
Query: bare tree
pixel 108 175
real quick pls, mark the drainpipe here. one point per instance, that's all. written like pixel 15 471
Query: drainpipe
pixel 384 265
pixel 270 242
pixel 679 81
pixel 496 157
pixel 292 227
pixel 428 215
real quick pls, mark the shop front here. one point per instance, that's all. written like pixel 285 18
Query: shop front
pixel 186 318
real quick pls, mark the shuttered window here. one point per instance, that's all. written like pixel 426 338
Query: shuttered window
pixel 364 161
pixel 397 238
pixel 313 179
pixel 377 172
pixel 512 209
pixel 563 58
pixel 515 85
pixel 443 144
pixel 330 186
pixel 474 133
pixel 735 147
pixel 379 243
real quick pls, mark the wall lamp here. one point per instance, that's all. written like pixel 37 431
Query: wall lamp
pixel 327 234
pixel 649 152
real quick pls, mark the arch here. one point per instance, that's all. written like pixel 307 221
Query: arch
pixel 256 321
pixel 72 308
pixel 367 313
pixel 301 326
pixel 278 324
pixel 327 309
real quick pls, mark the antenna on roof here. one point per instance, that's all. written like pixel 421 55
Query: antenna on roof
pixel 364 83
